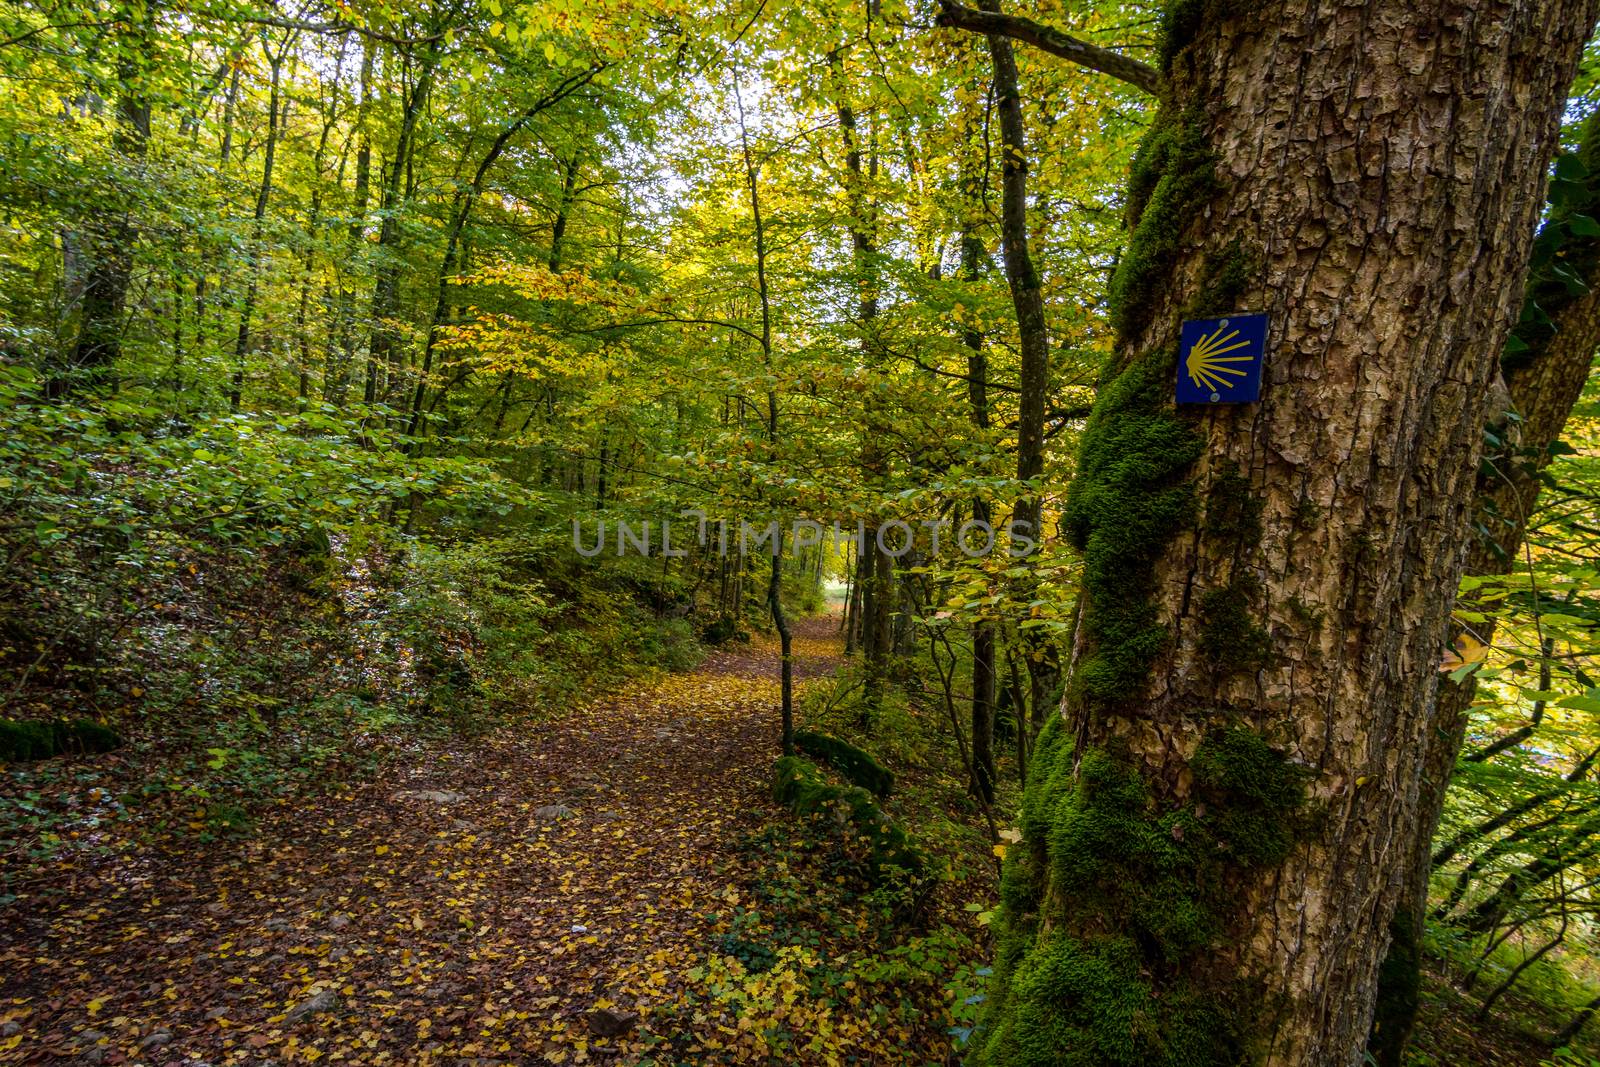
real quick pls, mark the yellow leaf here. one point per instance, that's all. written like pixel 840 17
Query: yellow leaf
pixel 1467 649
pixel 381 849
pixel 1000 850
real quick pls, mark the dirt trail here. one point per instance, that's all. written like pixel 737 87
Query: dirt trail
pixel 505 901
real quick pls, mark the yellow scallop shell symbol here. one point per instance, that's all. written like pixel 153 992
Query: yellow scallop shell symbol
pixel 1208 360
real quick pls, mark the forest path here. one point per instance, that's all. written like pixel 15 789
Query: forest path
pixel 511 900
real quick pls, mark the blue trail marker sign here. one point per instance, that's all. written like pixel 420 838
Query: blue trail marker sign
pixel 1219 360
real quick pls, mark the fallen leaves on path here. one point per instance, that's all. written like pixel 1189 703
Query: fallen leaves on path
pixel 544 896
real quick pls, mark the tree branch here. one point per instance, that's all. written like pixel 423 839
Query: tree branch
pixel 1049 39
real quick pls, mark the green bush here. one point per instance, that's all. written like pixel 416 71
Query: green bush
pixel 723 630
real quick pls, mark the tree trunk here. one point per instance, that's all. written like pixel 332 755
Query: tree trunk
pixel 384 352
pixel 1216 827
pixel 780 621
pixel 1544 371
pixel 241 346
pixel 109 243
pixel 877 570
pixel 336 380
pixel 1027 300
pixel 983 676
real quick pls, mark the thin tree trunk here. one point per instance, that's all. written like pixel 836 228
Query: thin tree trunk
pixel 1027 300
pixel 1570 1032
pixel 876 574
pixel 241 347
pixel 336 380
pixel 384 351
pixel 775 577
pixel 983 631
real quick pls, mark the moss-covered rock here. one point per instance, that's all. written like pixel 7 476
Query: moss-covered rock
pixel 34 740
pixel 857 765
pixel 723 629
pixel 799 785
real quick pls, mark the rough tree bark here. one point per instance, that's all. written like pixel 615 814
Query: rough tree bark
pixel 1214 829
pixel 1544 370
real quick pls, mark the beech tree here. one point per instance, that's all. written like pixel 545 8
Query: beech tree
pixel 1217 826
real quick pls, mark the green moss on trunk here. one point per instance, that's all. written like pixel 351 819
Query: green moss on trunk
pixel 1109 912
pixel 1129 499
pixel 1122 892
pixel 1172 172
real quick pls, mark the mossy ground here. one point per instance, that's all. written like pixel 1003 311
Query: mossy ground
pixel 799 785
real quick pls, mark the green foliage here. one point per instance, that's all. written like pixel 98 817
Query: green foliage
pixel 723 629
pixel 1566 251
pixel 856 764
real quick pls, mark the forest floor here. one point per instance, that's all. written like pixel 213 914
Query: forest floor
pixel 612 884
pixel 549 893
